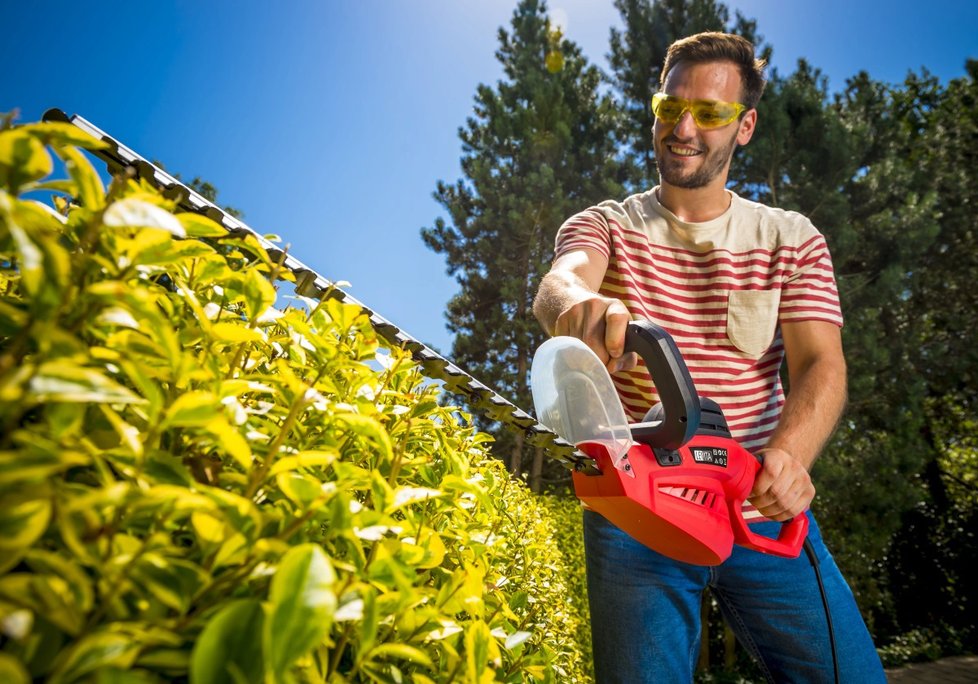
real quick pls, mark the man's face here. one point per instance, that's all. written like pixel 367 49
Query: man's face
pixel 691 157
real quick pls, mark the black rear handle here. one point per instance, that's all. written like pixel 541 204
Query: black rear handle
pixel 680 403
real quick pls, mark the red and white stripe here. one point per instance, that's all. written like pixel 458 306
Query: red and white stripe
pixel 681 276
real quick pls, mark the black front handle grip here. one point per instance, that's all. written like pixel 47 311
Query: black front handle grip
pixel 680 402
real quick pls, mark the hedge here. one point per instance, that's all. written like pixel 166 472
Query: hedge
pixel 205 479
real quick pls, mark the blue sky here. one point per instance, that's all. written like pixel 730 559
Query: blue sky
pixel 329 123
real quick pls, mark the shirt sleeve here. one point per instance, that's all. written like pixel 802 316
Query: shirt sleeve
pixel 810 292
pixel 588 229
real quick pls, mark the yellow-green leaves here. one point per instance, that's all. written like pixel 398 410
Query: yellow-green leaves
pixel 42 263
pixel 258 293
pixel 192 409
pixel 89 189
pixel 133 212
pixel 24 517
pixel 202 479
pixel 62 381
pixel 229 649
pixel 62 134
pixel 12 670
pixel 301 606
pixel 93 653
pixel 23 158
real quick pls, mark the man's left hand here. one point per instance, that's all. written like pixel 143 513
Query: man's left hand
pixel 783 488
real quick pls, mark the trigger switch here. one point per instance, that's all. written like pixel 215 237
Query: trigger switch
pixel 667 457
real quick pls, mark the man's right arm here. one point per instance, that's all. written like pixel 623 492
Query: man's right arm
pixel 568 303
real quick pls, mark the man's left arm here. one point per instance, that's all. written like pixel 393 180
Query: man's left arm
pixel 816 397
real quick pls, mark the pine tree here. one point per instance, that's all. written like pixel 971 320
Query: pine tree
pixel 539 148
pixel 935 553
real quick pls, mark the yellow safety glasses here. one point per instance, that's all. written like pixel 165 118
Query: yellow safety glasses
pixel 706 113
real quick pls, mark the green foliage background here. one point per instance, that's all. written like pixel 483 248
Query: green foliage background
pixel 201 479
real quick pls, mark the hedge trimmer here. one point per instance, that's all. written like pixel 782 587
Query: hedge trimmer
pixel 676 483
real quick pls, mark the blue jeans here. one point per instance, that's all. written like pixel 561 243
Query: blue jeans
pixel 645 611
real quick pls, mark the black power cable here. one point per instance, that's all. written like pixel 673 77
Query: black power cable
pixel 810 552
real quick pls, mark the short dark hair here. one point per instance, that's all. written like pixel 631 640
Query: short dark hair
pixel 714 46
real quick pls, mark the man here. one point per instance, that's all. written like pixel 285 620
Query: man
pixel 740 287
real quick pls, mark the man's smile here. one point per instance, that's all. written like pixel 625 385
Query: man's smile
pixel 683 150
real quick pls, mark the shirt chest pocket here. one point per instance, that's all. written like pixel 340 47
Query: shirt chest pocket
pixel 752 319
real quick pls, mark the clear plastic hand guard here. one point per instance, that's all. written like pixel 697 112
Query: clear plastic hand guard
pixel 574 396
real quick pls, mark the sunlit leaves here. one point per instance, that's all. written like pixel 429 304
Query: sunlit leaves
pixel 91 192
pixel 23 158
pixel 133 212
pixel 225 651
pixel 201 482
pixel 301 606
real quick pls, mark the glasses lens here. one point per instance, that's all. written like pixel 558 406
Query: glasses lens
pixel 668 108
pixel 709 114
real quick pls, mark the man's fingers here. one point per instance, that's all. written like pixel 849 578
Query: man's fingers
pixel 783 488
pixel 600 323
pixel 616 318
pixel 628 361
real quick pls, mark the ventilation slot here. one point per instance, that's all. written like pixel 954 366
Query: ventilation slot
pixel 700 497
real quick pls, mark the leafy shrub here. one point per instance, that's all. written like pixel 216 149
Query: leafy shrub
pixel 197 482
pixel 922 645
pixel 568 535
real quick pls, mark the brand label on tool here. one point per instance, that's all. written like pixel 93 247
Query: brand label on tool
pixel 710 455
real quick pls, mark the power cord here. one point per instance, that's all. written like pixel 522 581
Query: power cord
pixel 810 552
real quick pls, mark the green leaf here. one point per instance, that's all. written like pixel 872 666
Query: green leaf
pixel 196 408
pixel 77 581
pixel 65 419
pixel 301 489
pixel 94 652
pixel 229 650
pixel 12 319
pixel 403 652
pixel 230 441
pixel 235 333
pixel 23 159
pixel 434 550
pixel 171 581
pixel 65 381
pixel 90 190
pixel 407 495
pixel 258 293
pixel 516 638
pixel 64 134
pixel 301 605
pixel 167 659
pixel 303 459
pixel 44 264
pixel 478 642
pixel 23 519
pixel 369 428
pixel 47 596
pixel 210 529
pixel 129 435
pixel 371 618
pixel 12 671
pixel 33 464
pixel 133 212
pixel 198 225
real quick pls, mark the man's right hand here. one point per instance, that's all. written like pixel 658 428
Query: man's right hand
pixel 568 303
pixel 600 322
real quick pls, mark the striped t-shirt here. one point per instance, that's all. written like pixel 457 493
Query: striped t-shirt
pixel 721 288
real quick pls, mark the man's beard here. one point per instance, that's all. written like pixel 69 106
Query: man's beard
pixel 711 167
